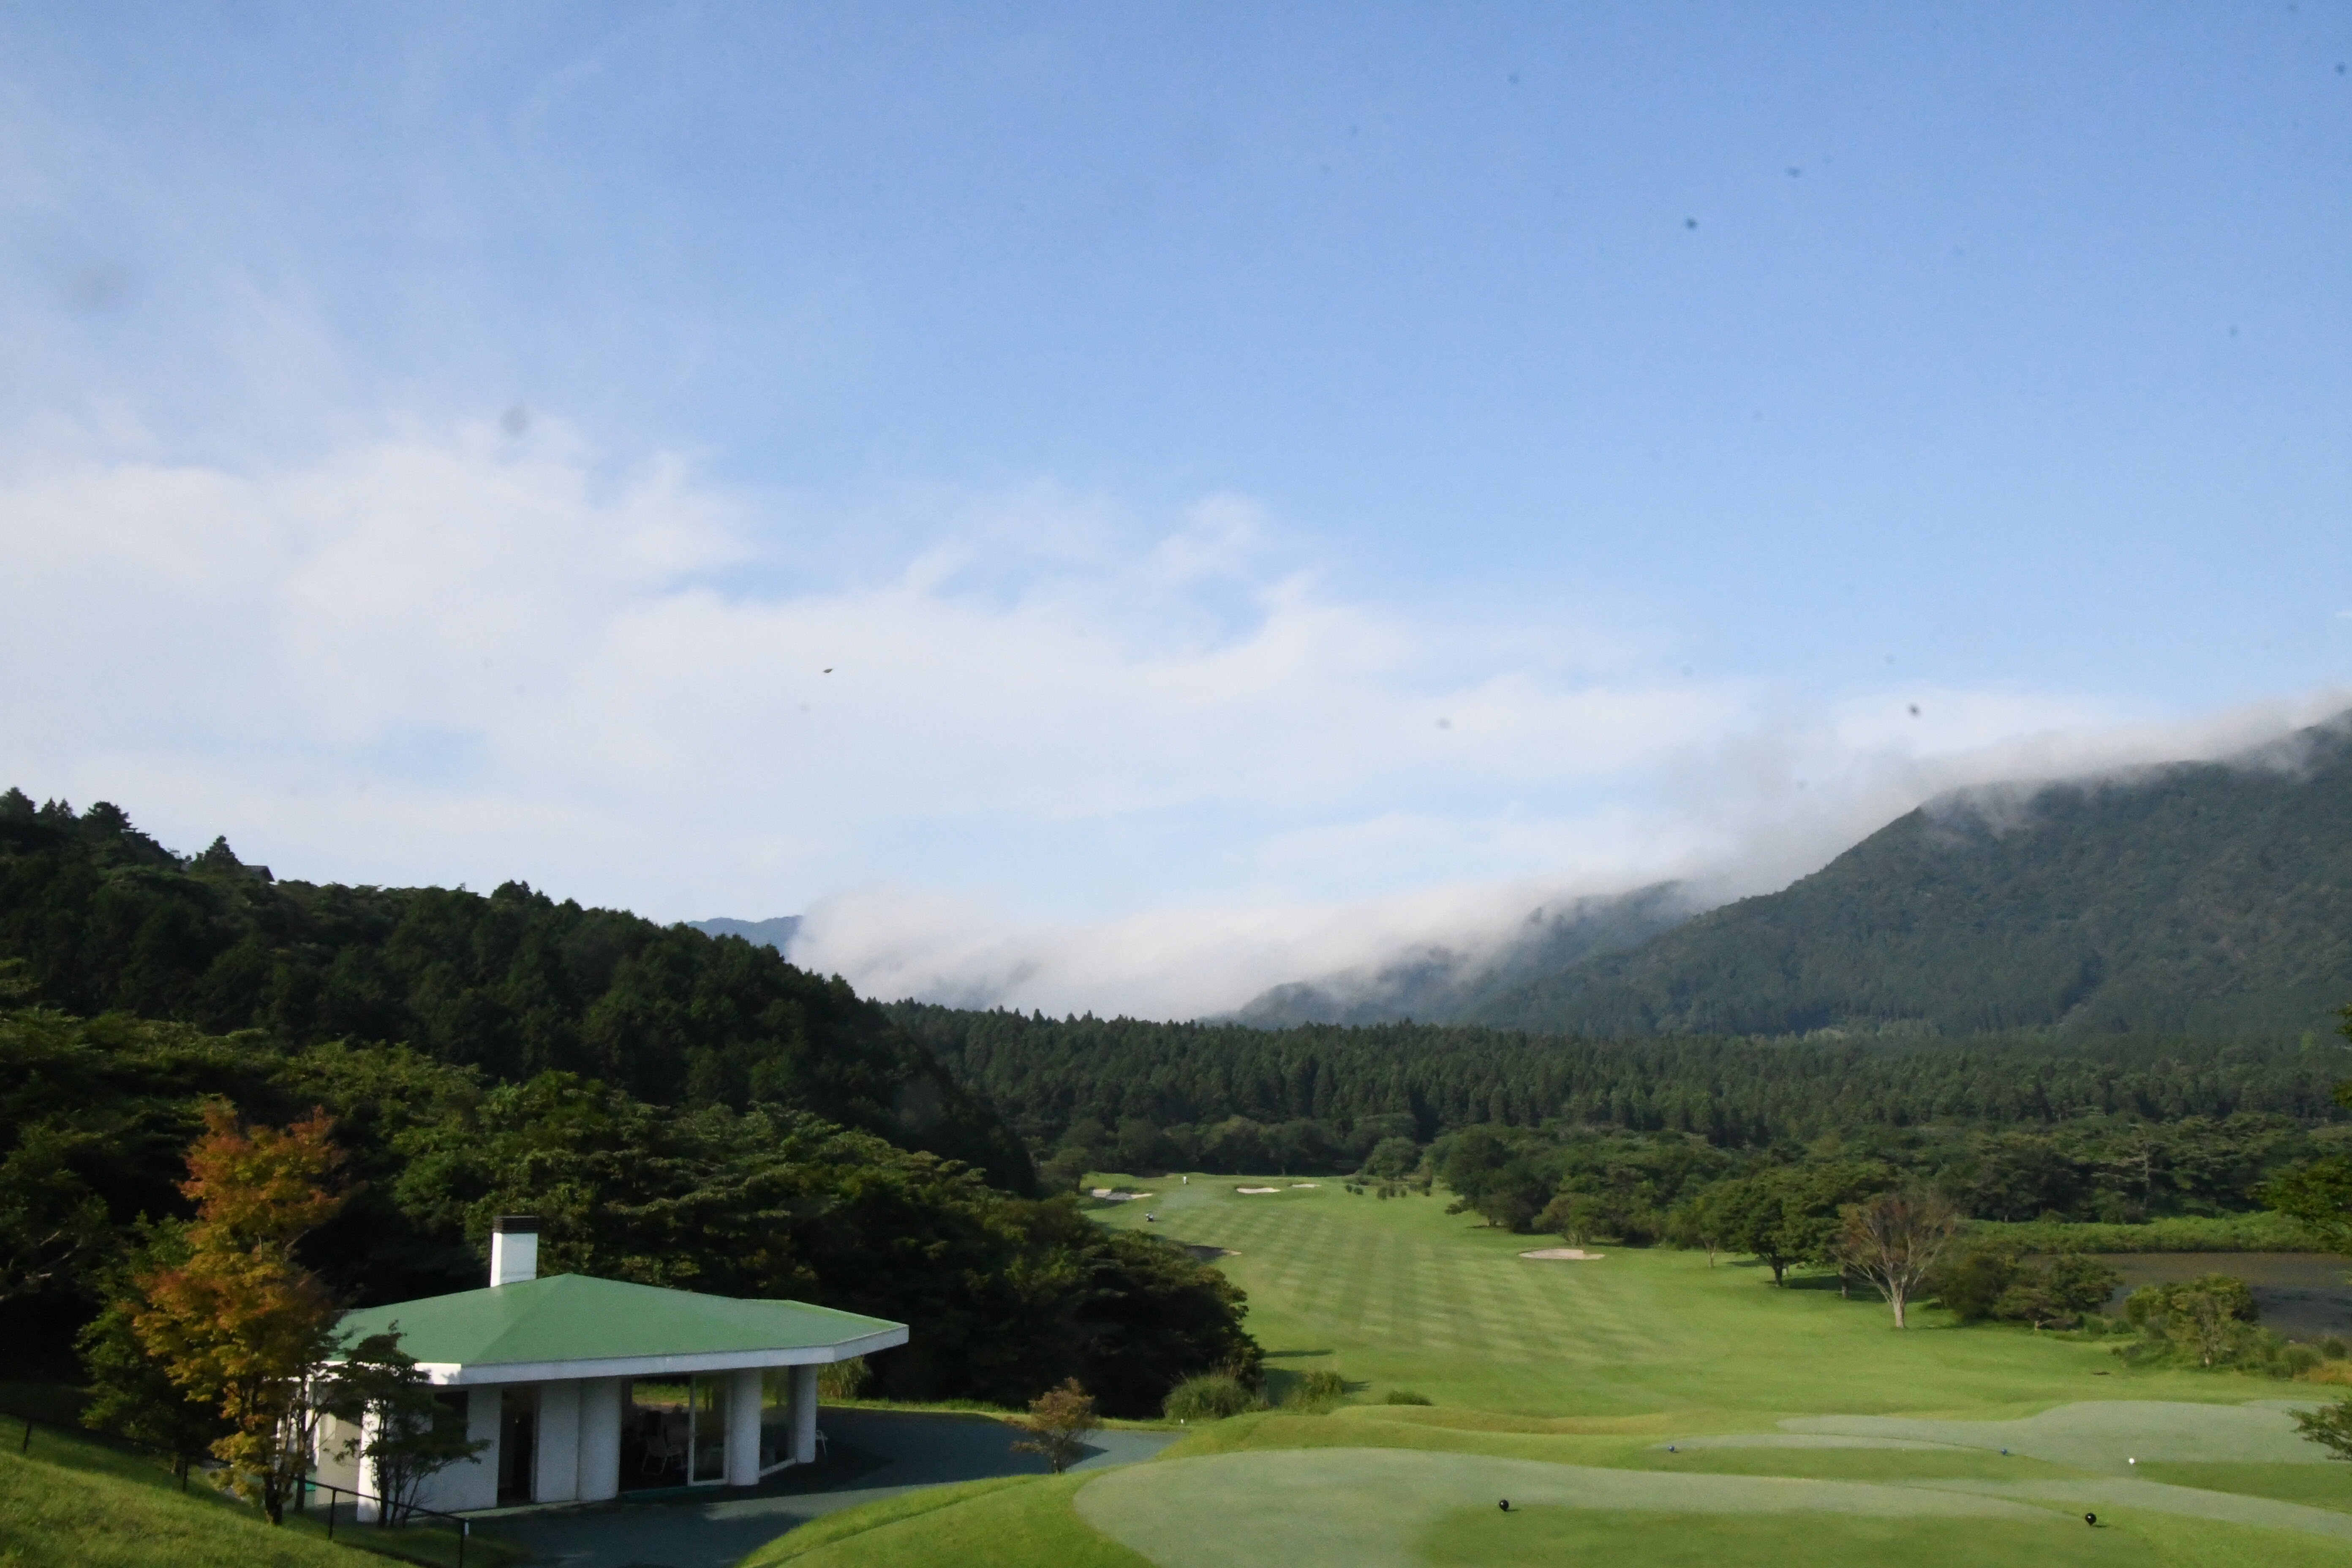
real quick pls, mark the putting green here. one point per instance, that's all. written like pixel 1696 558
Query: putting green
pixel 1371 1507
pixel 2095 1435
pixel 1490 1538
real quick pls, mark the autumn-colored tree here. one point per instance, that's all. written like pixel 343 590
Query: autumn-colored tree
pixel 1057 1423
pixel 1894 1240
pixel 238 1321
pixel 131 1394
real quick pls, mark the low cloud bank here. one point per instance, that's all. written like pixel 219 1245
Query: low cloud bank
pixel 1745 816
pixel 1027 748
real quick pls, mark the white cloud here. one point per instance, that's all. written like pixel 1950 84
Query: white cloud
pixel 1062 758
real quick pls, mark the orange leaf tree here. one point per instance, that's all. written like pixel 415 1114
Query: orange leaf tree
pixel 1058 1424
pixel 239 1322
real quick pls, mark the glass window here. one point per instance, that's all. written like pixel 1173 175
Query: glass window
pixel 657 1427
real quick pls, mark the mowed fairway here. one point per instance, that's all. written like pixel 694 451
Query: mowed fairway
pixel 1400 1294
pixel 1643 1409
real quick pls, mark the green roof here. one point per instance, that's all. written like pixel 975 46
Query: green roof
pixel 571 1317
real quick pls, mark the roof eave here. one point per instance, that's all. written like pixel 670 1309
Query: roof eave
pixel 462 1374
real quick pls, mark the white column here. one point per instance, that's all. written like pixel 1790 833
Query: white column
pixel 329 1463
pixel 803 1415
pixel 743 1427
pixel 368 1508
pixel 474 1483
pixel 556 1466
pixel 601 1399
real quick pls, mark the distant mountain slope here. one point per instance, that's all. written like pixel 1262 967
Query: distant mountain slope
pixel 777 933
pixel 1439 984
pixel 2196 897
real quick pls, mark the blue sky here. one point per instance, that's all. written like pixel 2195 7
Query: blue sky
pixel 1269 483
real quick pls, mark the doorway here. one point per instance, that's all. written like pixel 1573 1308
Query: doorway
pixel 518 1444
pixel 673 1432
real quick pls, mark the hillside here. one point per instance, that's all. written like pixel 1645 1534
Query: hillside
pixel 2193 899
pixel 1440 984
pixel 512 982
pixel 777 933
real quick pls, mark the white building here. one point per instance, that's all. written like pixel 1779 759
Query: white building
pixel 585 1387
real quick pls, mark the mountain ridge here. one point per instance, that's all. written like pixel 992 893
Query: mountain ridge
pixel 2197 897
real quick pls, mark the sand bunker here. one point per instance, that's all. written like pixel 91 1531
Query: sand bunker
pixel 1258 1189
pixel 1564 1254
pixel 1109 1196
pixel 1296 1185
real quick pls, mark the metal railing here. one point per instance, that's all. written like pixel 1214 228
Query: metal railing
pixel 301 1493
pixel 402 1513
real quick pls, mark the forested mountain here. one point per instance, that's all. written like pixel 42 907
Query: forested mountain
pixel 511 982
pixel 777 933
pixel 1440 984
pixel 2195 898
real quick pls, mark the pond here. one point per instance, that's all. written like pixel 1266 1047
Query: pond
pixel 2303 1295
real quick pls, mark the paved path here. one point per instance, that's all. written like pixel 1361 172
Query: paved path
pixel 874 1454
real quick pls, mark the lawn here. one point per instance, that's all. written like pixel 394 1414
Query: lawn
pixel 1399 1294
pixel 1644 1408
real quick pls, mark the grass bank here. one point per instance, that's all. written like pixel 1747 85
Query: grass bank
pixel 71 1499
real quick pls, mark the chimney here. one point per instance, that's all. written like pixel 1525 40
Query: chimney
pixel 514 1248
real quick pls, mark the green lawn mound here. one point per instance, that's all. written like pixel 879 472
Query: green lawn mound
pixel 1370 1506
pixel 2097 1435
pixel 1626 1538
pixel 1386 1507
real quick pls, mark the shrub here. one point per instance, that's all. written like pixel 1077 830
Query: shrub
pixel 2301 1359
pixel 1407 1397
pixel 2334 1349
pixel 1211 1396
pixel 2048 1292
pixel 842 1379
pixel 1317 1390
pixel 2208 1322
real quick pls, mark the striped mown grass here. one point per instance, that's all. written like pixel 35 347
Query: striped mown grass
pixel 1397 1293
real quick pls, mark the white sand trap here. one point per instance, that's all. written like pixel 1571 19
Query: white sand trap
pixel 1296 1185
pixel 1254 1190
pixel 1564 1254
pixel 1801 1440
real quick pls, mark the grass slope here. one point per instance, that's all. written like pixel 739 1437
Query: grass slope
pixel 75 1501
pixel 56 1513
pixel 1013 1523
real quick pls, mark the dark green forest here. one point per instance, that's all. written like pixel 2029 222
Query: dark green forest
pixel 677 1109
pixel 1008 1295
pixel 511 982
pixel 1231 1098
